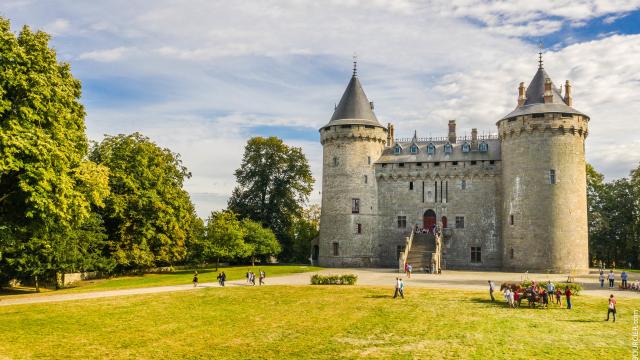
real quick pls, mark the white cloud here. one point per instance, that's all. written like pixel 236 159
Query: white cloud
pixel 107 55
pixel 58 27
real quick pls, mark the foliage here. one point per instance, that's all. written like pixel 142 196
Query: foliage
pixel 224 238
pixel 261 241
pixel 148 216
pixel 614 213
pixel 274 182
pixel 47 187
pixel 305 228
pixel 346 279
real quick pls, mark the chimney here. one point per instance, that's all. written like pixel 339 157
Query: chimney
pixel 474 139
pixel 390 138
pixel 567 94
pixel 452 131
pixel 371 104
pixel 548 93
pixel 521 96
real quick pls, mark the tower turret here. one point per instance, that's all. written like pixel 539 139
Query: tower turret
pixel 544 212
pixel 351 142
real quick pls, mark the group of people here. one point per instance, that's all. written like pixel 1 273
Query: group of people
pixel 251 277
pixel 535 293
pixel 222 277
pixel 624 277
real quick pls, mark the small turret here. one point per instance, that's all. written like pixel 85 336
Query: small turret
pixel 521 96
pixel 474 139
pixel 568 99
pixel 548 91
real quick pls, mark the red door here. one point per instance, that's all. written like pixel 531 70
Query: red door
pixel 429 219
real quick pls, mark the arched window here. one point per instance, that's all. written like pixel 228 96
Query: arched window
pixel 397 150
pixel 448 148
pixel 466 147
pixel 484 147
pixel 414 149
pixel 431 149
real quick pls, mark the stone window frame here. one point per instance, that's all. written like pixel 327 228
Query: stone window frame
pixel 413 149
pixel 459 222
pixel 336 162
pixel 448 148
pixel 463 184
pixel 431 149
pixel 483 147
pixel 476 254
pixel 366 179
pixel 512 219
pixel 368 160
pixel 397 150
pixel 410 185
pixel 336 248
pixel 552 176
pixel 466 147
pixel 359 228
pixel 355 205
pixel 402 221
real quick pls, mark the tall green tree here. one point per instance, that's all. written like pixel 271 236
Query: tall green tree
pixel 224 238
pixel 305 228
pixel 274 183
pixel 45 190
pixel 261 241
pixel 148 215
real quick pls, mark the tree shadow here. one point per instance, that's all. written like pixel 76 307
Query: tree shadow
pixel 16 291
pixel 379 297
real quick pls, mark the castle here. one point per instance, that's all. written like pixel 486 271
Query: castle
pixel 514 201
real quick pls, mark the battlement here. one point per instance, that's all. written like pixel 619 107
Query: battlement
pixel 353 132
pixel 558 123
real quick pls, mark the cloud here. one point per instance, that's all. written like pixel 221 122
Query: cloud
pixel 58 27
pixel 201 79
pixel 107 55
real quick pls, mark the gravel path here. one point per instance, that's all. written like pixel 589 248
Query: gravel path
pixel 467 280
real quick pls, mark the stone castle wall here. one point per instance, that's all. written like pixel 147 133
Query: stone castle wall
pixel 349 153
pixel 549 230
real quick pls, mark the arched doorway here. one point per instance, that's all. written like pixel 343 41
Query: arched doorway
pixel 444 222
pixel 429 220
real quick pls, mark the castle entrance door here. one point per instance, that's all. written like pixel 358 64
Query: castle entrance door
pixel 429 220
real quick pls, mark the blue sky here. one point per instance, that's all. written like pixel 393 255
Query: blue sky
pixel 201 79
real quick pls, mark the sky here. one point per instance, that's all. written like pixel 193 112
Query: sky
pixel 201 77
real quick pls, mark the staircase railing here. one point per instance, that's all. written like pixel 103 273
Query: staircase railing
pixel 405 254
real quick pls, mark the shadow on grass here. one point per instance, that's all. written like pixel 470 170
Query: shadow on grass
pixel 379 297
pixel 16 291
pixel 583 320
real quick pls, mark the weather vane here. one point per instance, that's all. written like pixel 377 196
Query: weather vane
pixel 541 47
pixel 355 64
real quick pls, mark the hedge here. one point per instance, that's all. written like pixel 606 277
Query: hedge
pixel 347 279
pixel 575 287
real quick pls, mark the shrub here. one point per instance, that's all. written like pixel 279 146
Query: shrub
pixel 347 279
pixel 575 287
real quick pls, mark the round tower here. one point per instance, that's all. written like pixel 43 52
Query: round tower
pixel 544 193
pixel 351 142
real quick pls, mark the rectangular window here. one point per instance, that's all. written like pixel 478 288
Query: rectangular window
pixel 454 163
pixel 511 219
pixel 401 164
pixel 419 164
pixel 492 162
pixel 358 228
pixel 355 206
pixel 463 184
pixel 436 191
pixel 511 253
pixel 459 222
pixel 446 191
pixel 368 160
pixel 476 254
pixel 473 162
pixel 335 161
pixel 366 179
pixel 336 250
pixel 402 222
pixel 410 185
pixel 436 163
pixel 552 176
pixel 399 250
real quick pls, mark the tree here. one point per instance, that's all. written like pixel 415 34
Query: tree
pixel 224 237
pixel 148 215
pixel 44 185
pixel 274 182
pixel 261 241
pixel 306 228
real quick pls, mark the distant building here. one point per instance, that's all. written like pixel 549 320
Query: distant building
pixel 512 201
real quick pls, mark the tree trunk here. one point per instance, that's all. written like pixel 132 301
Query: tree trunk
pixel 217 263
pixel 37 283
pixel 253 261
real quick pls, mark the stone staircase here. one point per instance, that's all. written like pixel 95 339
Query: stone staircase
pixel 421 252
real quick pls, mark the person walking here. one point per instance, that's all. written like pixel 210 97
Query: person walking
pixel 601 279
pixel 624 277
pixel 492 288
pixel 253 278
pixel 262 276
pixel 399 288
pixel 558 297
pixel 551 289
pixel 612 278
pixel 612 308
pixel 223 278
pixel 567 293
pixel 248 276
pixel 219 277
pixel 195 278
pixel 409 270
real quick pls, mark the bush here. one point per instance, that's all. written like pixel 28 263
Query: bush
pixel 347 279
pixel 575 287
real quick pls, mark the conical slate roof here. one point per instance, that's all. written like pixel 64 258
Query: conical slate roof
pixel 354 107
pixel 534 104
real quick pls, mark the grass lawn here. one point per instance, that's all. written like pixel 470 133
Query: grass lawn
pixel 301 322
pixel 175 278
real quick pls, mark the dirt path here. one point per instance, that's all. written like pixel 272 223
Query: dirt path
pixel 467 280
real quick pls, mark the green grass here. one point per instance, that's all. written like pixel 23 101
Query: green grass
pixel 301 322
pixel 175 278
